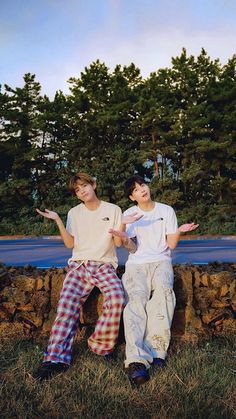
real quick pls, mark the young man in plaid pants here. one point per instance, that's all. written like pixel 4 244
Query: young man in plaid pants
pixel 93 263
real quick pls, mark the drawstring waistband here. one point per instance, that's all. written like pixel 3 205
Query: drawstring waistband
pixel 77 264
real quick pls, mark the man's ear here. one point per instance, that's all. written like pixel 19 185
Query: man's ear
pixel 94 185
pixel 131 198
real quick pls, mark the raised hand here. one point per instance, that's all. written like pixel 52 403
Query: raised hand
pixel 131 218
pixel 185 228
pixel 126 242
pixel 118 233
pixel 48 214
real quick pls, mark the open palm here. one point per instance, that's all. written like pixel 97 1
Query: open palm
pixel 185 228
pixel 118 233
pixel 48 214
pixel 131 218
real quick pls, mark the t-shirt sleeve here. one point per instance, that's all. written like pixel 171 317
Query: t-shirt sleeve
pixel 118 218
pixel 130 231
pixel 172 224
pixel 69 224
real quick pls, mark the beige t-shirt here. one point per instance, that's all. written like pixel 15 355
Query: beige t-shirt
pixel 90 231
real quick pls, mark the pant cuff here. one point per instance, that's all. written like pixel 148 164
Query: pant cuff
pixel 159 354
pixel 55 359
pixel 141 360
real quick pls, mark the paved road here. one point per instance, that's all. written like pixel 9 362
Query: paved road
pixel 48 252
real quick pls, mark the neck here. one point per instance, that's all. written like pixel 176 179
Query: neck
pixel 147 206
pixel 93 204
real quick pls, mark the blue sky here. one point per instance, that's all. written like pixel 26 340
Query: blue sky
pixel 56 39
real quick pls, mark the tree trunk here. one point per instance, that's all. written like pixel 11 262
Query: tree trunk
pixel 154 142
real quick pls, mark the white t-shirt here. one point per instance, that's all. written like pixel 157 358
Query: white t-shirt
pixel 150 232
pixel 90 230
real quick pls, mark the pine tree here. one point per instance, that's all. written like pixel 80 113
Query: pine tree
pixel 19 138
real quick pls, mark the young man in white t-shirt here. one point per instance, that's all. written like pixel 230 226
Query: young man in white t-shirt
pixel 93 263
pixel 148 280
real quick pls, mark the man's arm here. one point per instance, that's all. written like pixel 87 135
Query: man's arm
pixel 118 239
pixel 124 239
pixel 129 244
pixel 67 238
pixel 172 239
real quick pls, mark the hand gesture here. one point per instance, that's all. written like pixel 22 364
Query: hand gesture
pixel 48 214
pixel 185 228
pixel 118 233
pixel 131 218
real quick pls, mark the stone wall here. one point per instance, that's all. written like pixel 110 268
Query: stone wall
pixel 206 301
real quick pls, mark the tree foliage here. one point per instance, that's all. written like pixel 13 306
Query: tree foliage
pixel 177 128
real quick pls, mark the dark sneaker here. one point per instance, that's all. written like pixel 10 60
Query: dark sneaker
pixel 48 369
pixel 137 373
pixel 109 357
pixel 159 362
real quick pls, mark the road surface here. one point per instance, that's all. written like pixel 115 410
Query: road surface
pixel 48 252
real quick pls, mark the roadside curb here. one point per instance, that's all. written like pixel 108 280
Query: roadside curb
pixel 187 237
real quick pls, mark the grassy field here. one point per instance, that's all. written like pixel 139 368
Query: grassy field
pixel 198 382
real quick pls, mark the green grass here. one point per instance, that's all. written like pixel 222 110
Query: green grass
pixel 198 382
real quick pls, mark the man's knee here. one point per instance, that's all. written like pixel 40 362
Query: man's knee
pixel 116 299
pixel 164 279
pixel 162 291
pixel 138 297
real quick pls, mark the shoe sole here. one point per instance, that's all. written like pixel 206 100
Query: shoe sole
pixel 138 381
pixel 48 375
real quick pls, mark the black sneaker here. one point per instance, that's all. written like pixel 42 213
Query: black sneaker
pixel 111 357
pixel 137 373
pixel 48 369
pixel 159 362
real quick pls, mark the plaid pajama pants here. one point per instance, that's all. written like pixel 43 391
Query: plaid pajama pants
pixel 79 282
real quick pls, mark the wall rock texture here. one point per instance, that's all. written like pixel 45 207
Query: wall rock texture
pixel 206 301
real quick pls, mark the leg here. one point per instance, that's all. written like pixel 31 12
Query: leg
pixel 160 310
pixel 74 292
pixel 138 289
pixel 105 335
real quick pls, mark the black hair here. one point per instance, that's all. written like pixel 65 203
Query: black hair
pixel 129 185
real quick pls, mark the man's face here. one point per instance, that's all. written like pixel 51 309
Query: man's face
pixel 141 193
pixel 85 191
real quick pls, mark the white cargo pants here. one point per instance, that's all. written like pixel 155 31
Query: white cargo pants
pixel 149 311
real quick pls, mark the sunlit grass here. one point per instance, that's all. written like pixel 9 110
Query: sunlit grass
pixel 198 382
